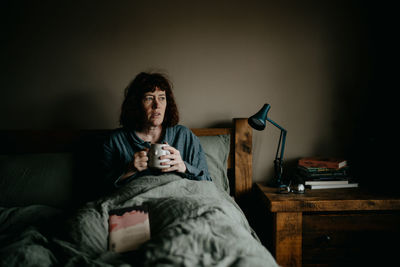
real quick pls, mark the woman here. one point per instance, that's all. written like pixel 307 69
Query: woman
pixel 149 115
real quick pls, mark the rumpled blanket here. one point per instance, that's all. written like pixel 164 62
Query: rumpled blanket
pixel 193 223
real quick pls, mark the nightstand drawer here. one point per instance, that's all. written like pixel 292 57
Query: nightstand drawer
pixel 330 238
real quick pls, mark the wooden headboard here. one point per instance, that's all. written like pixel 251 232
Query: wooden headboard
pixel 240 157
pixel 46 141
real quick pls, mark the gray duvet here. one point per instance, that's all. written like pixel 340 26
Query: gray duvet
pixel 193 223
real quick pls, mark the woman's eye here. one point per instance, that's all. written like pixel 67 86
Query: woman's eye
pixel 148 99
pixel 162 98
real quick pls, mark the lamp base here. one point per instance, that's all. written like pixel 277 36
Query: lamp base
pixel 280 187
pixel 277 182
pixel 283 188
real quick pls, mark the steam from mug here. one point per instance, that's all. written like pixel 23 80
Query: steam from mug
pixel 154 154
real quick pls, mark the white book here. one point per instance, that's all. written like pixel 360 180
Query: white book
pixel 327 182
pixel 330 186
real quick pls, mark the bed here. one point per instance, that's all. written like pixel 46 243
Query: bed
pixel 52 212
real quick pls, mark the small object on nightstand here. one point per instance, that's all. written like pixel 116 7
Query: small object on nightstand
pixel 284 189
pixel 298 189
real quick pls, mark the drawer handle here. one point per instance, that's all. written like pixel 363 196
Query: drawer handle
pixel 324 239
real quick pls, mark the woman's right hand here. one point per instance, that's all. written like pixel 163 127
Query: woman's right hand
pixel 139 163
pixel 140 160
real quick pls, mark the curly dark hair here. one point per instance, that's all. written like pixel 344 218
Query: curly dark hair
pixel 132 112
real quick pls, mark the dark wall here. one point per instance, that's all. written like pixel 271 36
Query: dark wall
pixel 326 67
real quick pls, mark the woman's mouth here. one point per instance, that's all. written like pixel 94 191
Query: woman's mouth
pixel 155 114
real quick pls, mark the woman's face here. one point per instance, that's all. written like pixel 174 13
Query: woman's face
pixel 154 105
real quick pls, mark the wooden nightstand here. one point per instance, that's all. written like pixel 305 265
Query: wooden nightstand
pixel 331 227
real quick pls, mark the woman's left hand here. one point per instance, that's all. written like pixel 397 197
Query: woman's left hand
pixel 176 163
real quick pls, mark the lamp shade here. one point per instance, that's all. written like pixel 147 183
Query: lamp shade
pixel 258 120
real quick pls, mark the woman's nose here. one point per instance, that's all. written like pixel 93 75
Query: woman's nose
pixel 155 103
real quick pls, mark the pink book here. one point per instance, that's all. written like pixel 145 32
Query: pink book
pixel 128 228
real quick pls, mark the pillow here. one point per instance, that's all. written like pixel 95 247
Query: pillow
pixel 216 148
pixel 38 178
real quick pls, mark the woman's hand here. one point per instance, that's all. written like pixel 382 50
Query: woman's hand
pixel 176 163
pixel 140 160
pixel 139 163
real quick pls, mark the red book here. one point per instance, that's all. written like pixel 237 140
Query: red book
pixel 320 162
pixel 128 228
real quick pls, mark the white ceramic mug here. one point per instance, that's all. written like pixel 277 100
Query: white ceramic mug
pixel 154 154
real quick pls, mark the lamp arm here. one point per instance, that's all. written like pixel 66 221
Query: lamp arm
pixel 278 162
pixel 276 125
pixel 281 138
pixel 283 142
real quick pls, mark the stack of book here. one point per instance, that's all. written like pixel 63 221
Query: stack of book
pixel 324 173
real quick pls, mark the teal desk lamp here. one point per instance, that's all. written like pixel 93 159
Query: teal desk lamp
pixel 258 122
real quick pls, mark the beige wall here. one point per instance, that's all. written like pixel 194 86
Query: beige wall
pixel 65 66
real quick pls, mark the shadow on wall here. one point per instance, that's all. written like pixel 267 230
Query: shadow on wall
pixel 374 140
pixel 221 124
pixel 81 109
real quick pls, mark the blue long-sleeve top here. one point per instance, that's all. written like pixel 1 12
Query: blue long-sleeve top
pixel 122 144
